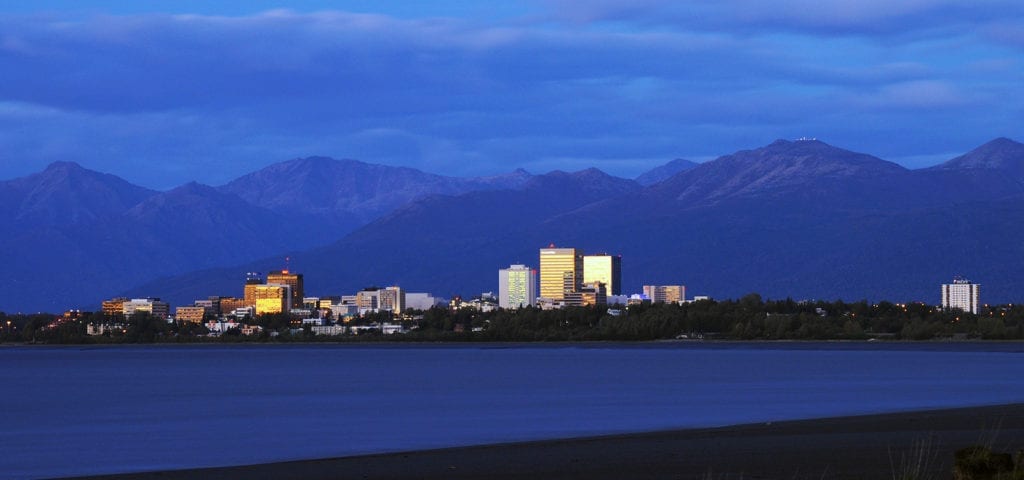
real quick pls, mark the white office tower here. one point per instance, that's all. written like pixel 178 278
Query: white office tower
pixel 961 294
pixel 517 287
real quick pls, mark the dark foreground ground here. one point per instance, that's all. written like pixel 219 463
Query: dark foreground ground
pixel 865 447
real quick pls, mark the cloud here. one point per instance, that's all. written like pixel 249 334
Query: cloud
pixel 164 99
pixel 1006 32
pixel 916 95
pixel 820 17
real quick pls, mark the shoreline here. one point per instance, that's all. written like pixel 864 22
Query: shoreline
pixel 398 342
pixel 862 446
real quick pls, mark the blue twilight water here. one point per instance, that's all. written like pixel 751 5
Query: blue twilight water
pixel 72 411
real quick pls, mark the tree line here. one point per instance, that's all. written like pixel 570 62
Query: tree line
pixel 746 318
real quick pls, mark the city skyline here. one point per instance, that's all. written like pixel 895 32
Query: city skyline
pixel 723 232
pixel 518 287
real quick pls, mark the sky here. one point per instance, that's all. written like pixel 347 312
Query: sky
pixel 162 93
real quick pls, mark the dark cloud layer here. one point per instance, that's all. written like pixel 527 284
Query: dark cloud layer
pixel 162 99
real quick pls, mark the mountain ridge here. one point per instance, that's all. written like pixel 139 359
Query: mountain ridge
pixel 767 239
pixel 665 171
pixel 998 154
pixel 778 166
pixel 66 192
pixel 993 170
pixel 787 214
pixel 348 193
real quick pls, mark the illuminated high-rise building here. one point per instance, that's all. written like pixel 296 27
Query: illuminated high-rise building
pixel 517 287
pixel 272 299
pixel 293 280
pixel 961 294
pixel 252 279
pixel 561 271
pixel 606 269
pixel 391 299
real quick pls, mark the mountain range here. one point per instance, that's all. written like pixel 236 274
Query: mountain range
pixel 803 219
pixel 72 236
pixel 348 193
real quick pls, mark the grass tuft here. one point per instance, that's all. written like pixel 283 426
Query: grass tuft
pixel 915 463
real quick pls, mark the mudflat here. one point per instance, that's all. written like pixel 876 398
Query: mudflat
pixel 857 447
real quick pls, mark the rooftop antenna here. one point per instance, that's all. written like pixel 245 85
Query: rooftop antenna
pixel 287 264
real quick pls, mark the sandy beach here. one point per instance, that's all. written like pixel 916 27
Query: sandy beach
pixel 870 446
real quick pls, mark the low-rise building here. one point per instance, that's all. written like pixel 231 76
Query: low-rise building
pixel 550 303
pixel 618 299
pixel 104 328
pixel 249 330
pixel 368 300
pixel 242 312
pixel 589 294
pixel 665 293
pixel 343 311
pixel 190 314
pixel 422 301
pixel 637 299
pixel 230 304
pixel 211 304
pixel 327 302
pixel 114 306
pixel 329 330
pixel 486 302
pixel 387 328
pixel 152 306
pixel 218 327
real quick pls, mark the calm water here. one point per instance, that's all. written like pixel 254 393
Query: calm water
pixel 70 411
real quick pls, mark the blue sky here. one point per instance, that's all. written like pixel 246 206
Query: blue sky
pixel 162 93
